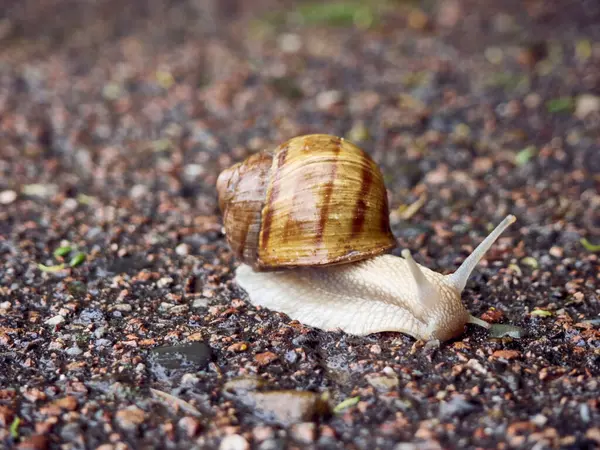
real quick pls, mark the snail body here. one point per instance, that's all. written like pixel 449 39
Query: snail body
pixel 310 224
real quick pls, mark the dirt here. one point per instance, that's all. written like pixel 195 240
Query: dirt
pixel 121 325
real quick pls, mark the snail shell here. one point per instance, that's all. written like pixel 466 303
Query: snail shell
pixel 314 203
pixel 315 200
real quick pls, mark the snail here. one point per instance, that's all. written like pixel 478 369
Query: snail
pixel 309 222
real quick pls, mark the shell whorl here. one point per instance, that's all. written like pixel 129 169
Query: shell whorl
pixel 315 200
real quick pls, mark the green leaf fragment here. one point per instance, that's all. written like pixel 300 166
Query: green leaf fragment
pixel 498 330
pixel 530 261
pixel 525 155
pixel 589 246
pixel 51 269
pixel 85 199
pixel 343 13
pixel 62 251
pixel 561 104
pixel 349 402
pixel 77 259
pixel 540 313
pixel 14 428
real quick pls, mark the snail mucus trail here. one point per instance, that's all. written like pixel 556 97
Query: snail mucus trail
pixel 310 223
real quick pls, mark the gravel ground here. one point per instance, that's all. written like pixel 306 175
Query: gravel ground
pixel 120 325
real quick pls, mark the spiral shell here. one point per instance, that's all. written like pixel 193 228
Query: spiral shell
pixel 315 200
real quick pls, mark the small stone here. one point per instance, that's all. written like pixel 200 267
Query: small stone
pixel 506 354
pixel 328 99
pixel 492 315
pixel 73 351
pixel 7 197
pixel 289 43
pixel 178 309
pixel 593 434
pixel 99 332
pixel 238 347
pixel 122 307
pixel 130 418
pixel 476 365
pixel 189 379
pixel 182 249
pixel 375 349
pixel 540 420
pixel 241 385
pixel 190 425
pixel 265 358
pixel 586 104
pixel 193 171
pixel 383 383
pixel 286 407
pixel 68 403
pixel 164 282
pixel 5 305
pixel 35 442
pixel 304 432
pixel 234 442
pixel 55 320
pixel 262 433
pixel 6 416
pixel 200 303
pixel 192 356
pixel 556 251
pixel 164 306
pixel 138 191
pixel 458 406
pixel 102 343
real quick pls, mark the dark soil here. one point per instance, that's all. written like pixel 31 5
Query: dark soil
pixel 114 124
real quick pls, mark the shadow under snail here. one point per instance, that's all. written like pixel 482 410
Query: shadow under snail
pixel 310 223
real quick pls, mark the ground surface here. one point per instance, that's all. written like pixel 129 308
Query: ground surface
pixel 114 123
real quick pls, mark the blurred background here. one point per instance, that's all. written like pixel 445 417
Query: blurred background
pixel 181 89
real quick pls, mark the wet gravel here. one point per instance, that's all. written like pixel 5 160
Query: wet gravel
pixel 120 325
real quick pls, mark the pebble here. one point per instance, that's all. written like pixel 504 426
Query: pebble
pixel 35 442
pixel 182 249
pixel 102 343
pixel 238 347
pixel 506 354
pixel 265 358
pixel 327 99
pixel 164 282
pixel 7 197
pixel 556 251
pixel 189 425
pixel 55 320
pixel 383 383
pixel 289 43
pixel 190 357
pixel 262 433
pixel 6 416
pixel 5 305
pixel 200 303
pixel 375 349
pixel 304 432
pixel 122 307
pixel 138 191
pixel 234 442
pixel 73 351
pixel 458 406
pixel 476 365
pixel 286 407
pixel 244 384
pixel 586 104
pixel 178 309
pixel 130 418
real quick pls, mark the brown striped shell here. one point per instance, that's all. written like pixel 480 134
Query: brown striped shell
pixel 314 200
